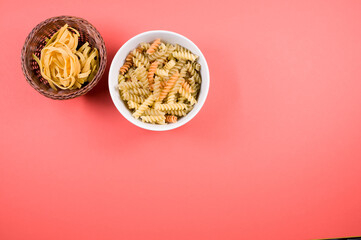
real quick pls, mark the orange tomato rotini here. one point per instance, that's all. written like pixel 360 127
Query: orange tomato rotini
pixel 170 83
pixel 129 58
pixel 151 71
pixel 171 119
pixel 186 86
pixel 125 67
pixel 154 46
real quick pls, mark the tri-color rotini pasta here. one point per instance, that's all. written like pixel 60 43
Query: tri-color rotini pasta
pixel 160 82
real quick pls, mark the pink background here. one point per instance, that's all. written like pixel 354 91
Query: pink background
pixel 275 153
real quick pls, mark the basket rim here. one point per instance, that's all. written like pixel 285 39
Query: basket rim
pixel 78 92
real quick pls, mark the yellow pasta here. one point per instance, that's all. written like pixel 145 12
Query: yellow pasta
pixel 121 79
pixel 162 72
pixel 179 113
pixel 141 74
pixel 140 58
pixel 184 55
pixel 139 91
pixel 169 65
pixel 132 97
pixel 187 95
pixel 147 103
pixel 133 105
pixel 154 119
pixel 156 87
pixel 181 99
pixel 158 54
pixel 153 112
pixel 164 57
pixel 62 65
pixel 132 75
pixel 129 85
pixel 170 106
pixel 177 67
pixel 144 46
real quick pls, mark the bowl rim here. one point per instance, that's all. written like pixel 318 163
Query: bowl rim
pixel 120 104
pixel 73 94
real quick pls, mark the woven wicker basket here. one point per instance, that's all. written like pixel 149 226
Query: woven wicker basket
pixel 36 41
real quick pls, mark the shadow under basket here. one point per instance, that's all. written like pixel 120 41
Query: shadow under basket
pixel 36 41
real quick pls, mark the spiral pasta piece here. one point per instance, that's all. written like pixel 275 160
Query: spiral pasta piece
pixel 197 78
pixel 152 69
pixel 145 46
pixel 153 119
pixel 129 57
pixel 171 119
pixel 179 48
pixel 125 67
pixel 181 99
pixel 197 66
pixel 172 94
pixel 121 79
pixel 185 55
pixel 170 83
pixel 197 87
pixel 189 108
pixel 146 104
pixel 129 85
pixel 177 67
pixel 170 49
pixel 187 95
pixel 126 77
pixel 141 59
pixel 179 113
pixel 141 74
pixel 182 73
pixel 161 72
pixel 170 106
pixel 139 91
pixel 163 83
pixel 132 75
pixel 169 65
pixel 132 97
pixel 192 82
pixel 190 68
pixel 153 112
pixel 127 64
pixel 154 46
pixel 133 105
pixel 186 86
pixel 158 54
pixel 137 62
pixel 156 88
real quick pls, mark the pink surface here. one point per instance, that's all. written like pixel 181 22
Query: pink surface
pixel 274 153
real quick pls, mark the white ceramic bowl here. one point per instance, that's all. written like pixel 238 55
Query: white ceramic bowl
pixel 150 36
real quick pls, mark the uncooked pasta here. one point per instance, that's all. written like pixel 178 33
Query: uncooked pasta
pixel 160 82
